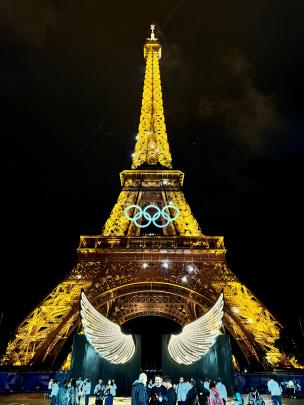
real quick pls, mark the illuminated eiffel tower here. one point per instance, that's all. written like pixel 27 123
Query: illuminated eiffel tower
pixel 151 258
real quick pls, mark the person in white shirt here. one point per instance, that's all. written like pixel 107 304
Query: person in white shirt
pixel 80 385
pixel 181 390
pixel 54 392
pixel 188 385
pixel 86 390
pixel 275 391
pixel 222 390
pixel 50 388
pixel 206 384
pixel 113 388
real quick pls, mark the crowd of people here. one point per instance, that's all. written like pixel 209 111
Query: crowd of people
pixel 197 392
pixel 77 392
pixel 164 392
pixel 291 388
pixel 159 391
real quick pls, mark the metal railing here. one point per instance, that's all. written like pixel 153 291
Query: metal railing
pixel 151 242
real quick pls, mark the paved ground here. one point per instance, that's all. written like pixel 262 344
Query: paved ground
pixel 37 399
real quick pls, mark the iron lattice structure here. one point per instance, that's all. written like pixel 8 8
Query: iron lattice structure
pixel 127 271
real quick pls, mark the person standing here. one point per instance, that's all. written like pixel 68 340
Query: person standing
pixel 80 384
pixel 202 392
pixel 99 392
pixel 188 385
pixel 192 393
pixel 275 391
pixel 238 399
pixel 157 391
pixel 206 383
pixel 62 393
pixel 113 389
pixel 222 390
pixel 50 388
pixel 291 389
pixel 298 387
pixel 214 397
pixel 171 397
pixel 181 391
pixel 54 392
pixel 86 390
pixel 108 397
pixel 139 393
pixel 72 393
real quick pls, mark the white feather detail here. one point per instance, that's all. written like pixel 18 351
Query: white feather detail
pixel 104 335
pixel 198 336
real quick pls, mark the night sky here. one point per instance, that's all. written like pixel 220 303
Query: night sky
pixel 71 79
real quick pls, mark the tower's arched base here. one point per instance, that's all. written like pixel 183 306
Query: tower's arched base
pixel 88 364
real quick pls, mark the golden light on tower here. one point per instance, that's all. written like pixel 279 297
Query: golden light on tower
pixel 152 145
pixel 127 273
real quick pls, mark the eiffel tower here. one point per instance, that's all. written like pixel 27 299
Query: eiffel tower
pixel 151 258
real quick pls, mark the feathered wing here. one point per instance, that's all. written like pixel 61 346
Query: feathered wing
pixel 104 335
pixel 198 336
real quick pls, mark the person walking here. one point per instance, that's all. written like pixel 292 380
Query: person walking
pixel 275 391
pixel 139 393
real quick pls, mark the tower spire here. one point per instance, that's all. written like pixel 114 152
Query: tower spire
pixel 152 146
pixel 152 26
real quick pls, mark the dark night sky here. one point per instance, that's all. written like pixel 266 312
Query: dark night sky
pixel 71 77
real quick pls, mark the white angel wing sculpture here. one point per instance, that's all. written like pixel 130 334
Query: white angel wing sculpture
pixel 104 335
pixel 198 336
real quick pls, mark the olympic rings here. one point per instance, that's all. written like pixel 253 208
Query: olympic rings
pixel 143 213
